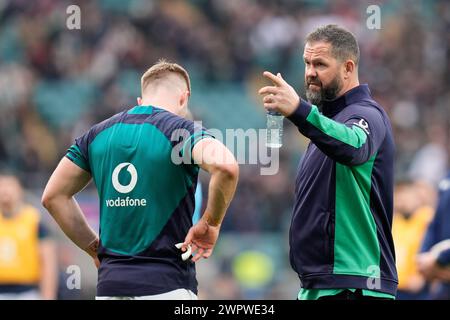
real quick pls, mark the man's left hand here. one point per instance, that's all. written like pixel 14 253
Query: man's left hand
pixel 202 238
pixel 280 97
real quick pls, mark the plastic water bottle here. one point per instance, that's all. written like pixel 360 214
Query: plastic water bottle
pixel 274 129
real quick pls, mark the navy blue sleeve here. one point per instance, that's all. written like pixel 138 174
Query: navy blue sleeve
pixel 185 134
pixel 78 152
pixel 197 133
pixel 352 142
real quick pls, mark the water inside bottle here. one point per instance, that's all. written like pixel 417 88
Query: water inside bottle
pixel 274 130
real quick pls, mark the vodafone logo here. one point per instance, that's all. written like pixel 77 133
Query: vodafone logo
pixel 127 201
pixel 115 178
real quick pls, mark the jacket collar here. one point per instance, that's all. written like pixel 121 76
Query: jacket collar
pixel 333 107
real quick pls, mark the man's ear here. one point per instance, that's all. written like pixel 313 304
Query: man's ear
pixel 349 68
pixel 139 101
pixel 184 98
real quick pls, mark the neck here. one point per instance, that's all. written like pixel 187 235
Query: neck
pixel 349 86
pixel 160 102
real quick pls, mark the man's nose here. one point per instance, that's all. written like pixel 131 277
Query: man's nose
pixel 310 72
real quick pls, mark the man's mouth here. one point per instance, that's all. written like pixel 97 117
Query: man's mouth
pixel 313 85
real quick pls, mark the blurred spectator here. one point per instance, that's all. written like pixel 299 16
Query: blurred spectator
pixel 27 255
pixel 55 82
pixel 434 262
pixel 430 162
pixel 411 218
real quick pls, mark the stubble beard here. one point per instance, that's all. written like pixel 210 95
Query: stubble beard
pixel 328 93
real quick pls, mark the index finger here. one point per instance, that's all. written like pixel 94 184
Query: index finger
pixel 276 80
pixel 268 90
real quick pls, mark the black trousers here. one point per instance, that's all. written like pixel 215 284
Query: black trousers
pixel 348 295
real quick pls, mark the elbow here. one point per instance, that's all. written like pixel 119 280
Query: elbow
pixel 229 170
pixel 359 160
pixel 352 158
pixel 47 200
pixel 353 162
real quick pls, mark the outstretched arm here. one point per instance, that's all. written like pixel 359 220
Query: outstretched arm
pixel 67 180
pixel 351 143
pixel 212 156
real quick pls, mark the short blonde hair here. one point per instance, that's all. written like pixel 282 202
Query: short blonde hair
pixel 160 70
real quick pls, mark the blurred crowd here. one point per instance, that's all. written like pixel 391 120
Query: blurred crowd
pixel 55 83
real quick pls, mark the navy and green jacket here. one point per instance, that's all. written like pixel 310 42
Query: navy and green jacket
pixel 146 192
pixel 340 235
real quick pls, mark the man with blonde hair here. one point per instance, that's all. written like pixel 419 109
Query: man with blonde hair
pixel 145 163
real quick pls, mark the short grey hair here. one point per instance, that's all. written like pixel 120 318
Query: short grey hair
pixel 343 43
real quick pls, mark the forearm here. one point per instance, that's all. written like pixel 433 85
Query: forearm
pixel 67 213
pixel 346 144
pixel 221 190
